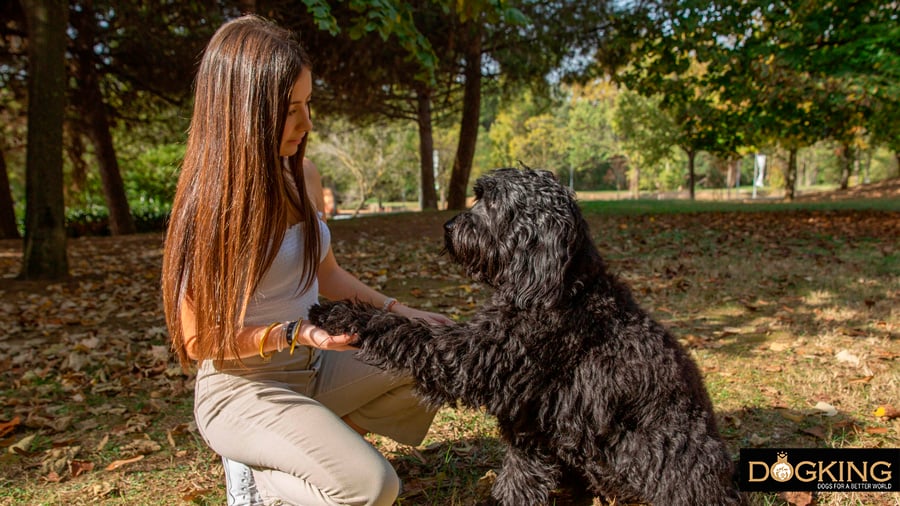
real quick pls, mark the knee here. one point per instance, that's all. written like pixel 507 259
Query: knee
pixel 382 486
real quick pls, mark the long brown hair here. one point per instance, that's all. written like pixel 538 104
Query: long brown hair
pixel 229 214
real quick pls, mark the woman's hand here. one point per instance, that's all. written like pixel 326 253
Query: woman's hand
pixel 418 314
pixel 310 335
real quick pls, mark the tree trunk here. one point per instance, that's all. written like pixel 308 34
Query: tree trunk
pixel 846 165
pixel 790 177
pixel 45 220
pixel 426 151
pixel 691 177
pixel 93 112
pixel 468 129
pixel 635 182
pixel 8 229
pixel 733 173
pixel 867 167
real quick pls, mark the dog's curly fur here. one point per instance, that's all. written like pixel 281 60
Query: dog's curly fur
pixel 580 378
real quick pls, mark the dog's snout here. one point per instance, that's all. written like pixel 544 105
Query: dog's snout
pixel 448 226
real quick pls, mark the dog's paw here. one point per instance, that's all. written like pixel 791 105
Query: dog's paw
pixel 342 317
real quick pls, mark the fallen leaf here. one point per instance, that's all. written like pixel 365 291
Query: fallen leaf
pixel 104 489
pixel 483 487
pixel 194 495
pixel 845 357
pixel 825 409
pixel 102 444
pixel 141 446
pixel 848 425
pixel 57 460
pixel 7 427
pixel 119 463
pixel 877 430
pixel 79 467
pixel 757 440
pixel 887 412
pixel 817 431
pixel 53 477
pixel 778 347
pixel 798 498
pixel 23 445
pixel 794 417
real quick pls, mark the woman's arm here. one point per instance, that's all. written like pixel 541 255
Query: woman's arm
pixel 337 284
pixel 249 338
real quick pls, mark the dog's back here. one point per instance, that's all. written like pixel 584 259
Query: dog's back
pixel 632 410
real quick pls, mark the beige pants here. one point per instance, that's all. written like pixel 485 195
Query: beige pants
pixel 283 419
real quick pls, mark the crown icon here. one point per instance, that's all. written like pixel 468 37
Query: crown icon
pixel 782 470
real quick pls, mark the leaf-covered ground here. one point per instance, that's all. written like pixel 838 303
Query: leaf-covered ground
pixel 793 318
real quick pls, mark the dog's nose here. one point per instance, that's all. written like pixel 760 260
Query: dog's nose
pixel 448 226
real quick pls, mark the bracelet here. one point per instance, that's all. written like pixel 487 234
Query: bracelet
pixel 289 334
pixel 296 329
pixel 262 342
pixel 280 342
pixel 388 304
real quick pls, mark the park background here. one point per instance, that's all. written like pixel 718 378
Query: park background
pixel 782 279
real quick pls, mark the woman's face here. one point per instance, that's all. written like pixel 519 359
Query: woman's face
pixel 298 121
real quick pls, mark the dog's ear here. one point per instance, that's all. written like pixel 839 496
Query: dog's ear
pixel 539 254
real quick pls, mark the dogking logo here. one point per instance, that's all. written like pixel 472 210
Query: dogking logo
pixel 781 470
pixel 827 469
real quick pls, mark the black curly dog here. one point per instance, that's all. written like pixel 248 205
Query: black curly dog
pixel 582 381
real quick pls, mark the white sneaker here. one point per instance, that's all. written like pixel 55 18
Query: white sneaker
pixel 240 488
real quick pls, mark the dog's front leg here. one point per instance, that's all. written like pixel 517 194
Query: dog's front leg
pixel 447 362
pixel 527 477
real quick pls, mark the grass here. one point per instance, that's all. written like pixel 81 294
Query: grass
pixel 782 306
pixel 677 206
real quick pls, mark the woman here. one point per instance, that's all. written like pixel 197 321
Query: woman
pixel 246 255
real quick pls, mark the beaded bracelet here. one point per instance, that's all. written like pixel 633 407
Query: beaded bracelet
pixel 388 304
pixel 289 334
pixel 262 342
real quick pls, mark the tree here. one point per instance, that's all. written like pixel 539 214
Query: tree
pixel 644 132
pixel 374 63
pixel 45 229
pixel 524 44
pixel 129 63
pixel 8 229
pixel 13 123
pixel 589 137
pixel 792 72
pixel 89 102
pixel 802 93
pixel 658 49
pixel 364 156
pixel 468 43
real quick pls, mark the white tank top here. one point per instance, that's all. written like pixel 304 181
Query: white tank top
pixel 278 297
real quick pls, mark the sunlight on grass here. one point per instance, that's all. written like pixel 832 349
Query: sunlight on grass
pixel 818 298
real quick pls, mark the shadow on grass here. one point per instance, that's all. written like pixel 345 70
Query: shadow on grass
pixel 461 471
